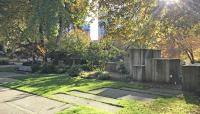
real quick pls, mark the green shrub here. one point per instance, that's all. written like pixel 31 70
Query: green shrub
pixel 60 70
pixel 103 75
pixel 30 63
pixel 48 68
pixel 4 61
pixel 74 70
pixel 86 67
pixel 36 68
pixel 121 68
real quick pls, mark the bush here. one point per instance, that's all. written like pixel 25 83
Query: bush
pixel 74 71
pixel 121 68
pixel 60 70
pixel 4 61
pixel 103 75
pixel 86 67
pixel 31 63
pixel 36 68
pixel 48 68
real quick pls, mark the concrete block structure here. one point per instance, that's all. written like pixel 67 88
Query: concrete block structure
pixel 163 70
pixel 191 77
pixel 147 65
pixel 135 61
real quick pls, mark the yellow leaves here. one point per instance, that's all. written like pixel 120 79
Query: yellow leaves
pixel 42 50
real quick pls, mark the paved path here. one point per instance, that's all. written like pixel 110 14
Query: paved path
pixel 10 75
pixel 7 77
pixel 6 80
pixel 94 97
pixel 123 94
pixel 157 91
pixel 17 102
pixel 87 102
pixel 136 94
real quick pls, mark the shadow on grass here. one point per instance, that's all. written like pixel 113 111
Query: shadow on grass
pixel 46 85
pixel 51 84
pixel 191 98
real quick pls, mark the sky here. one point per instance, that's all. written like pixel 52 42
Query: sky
pixel 94 29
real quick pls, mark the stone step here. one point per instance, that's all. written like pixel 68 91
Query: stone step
pixel 156 91
pixel 94 97
pixel 87 102
pixel 123 94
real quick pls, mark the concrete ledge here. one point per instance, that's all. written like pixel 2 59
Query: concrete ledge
pixel 25 68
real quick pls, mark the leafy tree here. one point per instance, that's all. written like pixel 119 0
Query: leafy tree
pixel 75 42
pixel 128 21
pixel 178 29
pixel 30 22
pixel 151 24
pixel 13 21
pixel 101 52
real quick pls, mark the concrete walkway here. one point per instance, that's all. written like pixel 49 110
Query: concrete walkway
pixel 124 94
pixel 157 91
pixel 7 77
pixel 17 102
pixel 94 97
pixel 10 75
pixel 87 102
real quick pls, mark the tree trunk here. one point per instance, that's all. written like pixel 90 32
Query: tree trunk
pixel 190 56
pixel 60 32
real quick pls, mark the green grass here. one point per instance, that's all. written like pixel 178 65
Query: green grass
pixel 47 85
pixel 83 110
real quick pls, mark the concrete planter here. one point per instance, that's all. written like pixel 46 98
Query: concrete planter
pixel 191 78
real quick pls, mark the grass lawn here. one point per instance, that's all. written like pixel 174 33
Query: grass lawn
pixel 47 85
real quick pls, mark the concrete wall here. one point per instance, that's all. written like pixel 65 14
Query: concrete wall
pixel 135 61
pixel 163 70
pixel 138 56
pixel 191 77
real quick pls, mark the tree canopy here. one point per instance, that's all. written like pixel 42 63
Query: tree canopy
pixel 128 23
